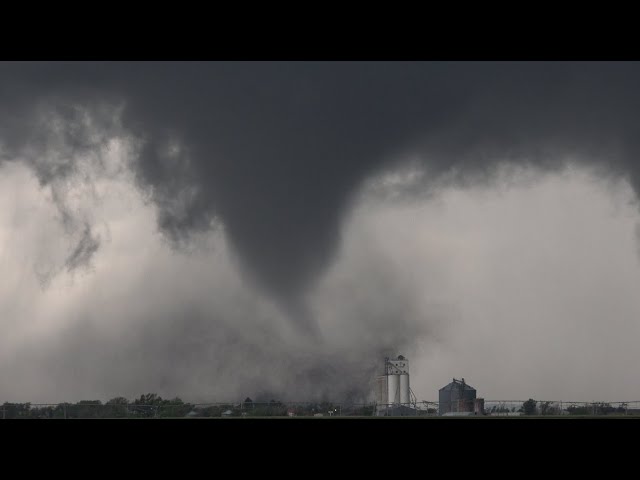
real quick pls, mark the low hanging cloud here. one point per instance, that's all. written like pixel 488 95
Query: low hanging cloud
pixel 67 149
pixel 275 150
pixel 526 284
pixel 245 181
pixel 460 282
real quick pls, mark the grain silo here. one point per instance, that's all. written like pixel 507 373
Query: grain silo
pixel 457 397
pixel 393 392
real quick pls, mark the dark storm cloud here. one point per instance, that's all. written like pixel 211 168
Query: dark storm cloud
pixel 83 251
pixel 275 150
pixel 60 137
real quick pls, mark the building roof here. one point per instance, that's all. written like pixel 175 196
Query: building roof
pixel 457 384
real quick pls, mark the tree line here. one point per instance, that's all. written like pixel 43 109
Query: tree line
pixel 532 407
pixel 151 405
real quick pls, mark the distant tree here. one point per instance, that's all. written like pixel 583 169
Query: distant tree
pixel 546 408
pixel 117 408
pixel 213 411
pixel 247 405
pixel 529 407
pixel 43 412
pixel 63 410
pixel 148 399
pixel 146 406
pixel 16 410
pixel 603 409
pixel 174 408
pixel 86 409
pixel 578 410
pixel 270 409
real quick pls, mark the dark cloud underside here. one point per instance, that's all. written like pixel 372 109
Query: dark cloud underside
pixel 275 150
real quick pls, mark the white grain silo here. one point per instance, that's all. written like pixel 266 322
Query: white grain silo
pixel 405 398
pixel 399 368
pixel 393 387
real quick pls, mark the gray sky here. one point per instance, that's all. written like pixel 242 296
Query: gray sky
pixel 221 230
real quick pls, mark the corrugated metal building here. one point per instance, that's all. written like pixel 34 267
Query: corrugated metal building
pixel 458 396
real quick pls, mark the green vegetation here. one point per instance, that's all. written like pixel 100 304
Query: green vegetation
pixel 151 405
pixel 147 406
pixel 529 407
pixel 596 409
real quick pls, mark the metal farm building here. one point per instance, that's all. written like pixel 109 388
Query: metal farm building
pixel 459 397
